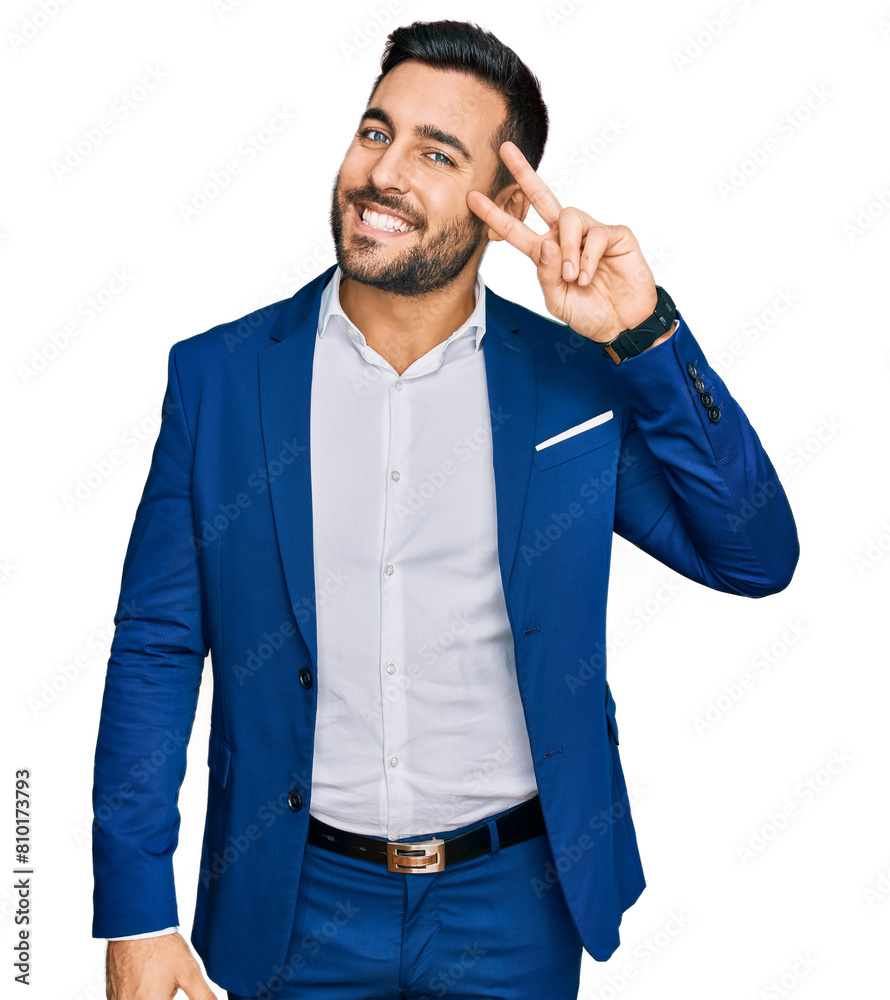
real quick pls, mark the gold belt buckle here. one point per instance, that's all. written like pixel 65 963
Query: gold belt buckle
pixel 421 856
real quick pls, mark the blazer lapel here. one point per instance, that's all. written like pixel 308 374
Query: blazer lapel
pixel 512 402
pixel 285 383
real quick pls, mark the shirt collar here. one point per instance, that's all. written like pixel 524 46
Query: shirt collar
pixel 330 306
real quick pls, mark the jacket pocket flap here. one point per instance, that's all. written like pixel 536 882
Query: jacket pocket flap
pixel 219 757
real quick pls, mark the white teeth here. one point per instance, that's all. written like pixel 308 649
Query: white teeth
pixel 385 222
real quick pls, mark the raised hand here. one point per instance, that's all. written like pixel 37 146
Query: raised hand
pixel 593 276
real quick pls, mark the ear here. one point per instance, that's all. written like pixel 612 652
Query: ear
pixel 514 202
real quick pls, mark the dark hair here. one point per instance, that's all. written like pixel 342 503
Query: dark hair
pixel 464 46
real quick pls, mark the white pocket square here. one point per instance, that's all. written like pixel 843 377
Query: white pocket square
pixel 593 422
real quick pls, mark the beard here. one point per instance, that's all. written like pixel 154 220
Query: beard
pixel 422 268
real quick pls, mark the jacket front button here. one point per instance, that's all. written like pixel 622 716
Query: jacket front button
pixel 306 677
pixel 295 801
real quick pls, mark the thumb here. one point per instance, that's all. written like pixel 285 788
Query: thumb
pixel 549 270
pixel 196 987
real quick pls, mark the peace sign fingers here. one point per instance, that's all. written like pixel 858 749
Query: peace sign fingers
pixel 508 227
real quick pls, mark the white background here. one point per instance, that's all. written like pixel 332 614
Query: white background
pixel 807 224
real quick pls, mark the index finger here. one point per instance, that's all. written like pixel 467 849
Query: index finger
pixel 542 199
pixel 507 226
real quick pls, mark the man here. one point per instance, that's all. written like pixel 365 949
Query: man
pixel 385 507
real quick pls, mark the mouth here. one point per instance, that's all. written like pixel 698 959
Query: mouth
pixel 380 223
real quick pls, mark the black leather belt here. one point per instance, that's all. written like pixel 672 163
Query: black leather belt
pixel 433 853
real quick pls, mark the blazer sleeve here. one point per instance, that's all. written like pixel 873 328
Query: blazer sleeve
pixel 150 695
pixel 695 487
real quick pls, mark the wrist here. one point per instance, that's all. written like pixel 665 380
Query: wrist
pixel 654 330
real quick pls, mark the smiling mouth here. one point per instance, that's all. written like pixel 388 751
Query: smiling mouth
pixel 380 223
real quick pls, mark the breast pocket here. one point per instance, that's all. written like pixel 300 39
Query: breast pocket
pixel 577 445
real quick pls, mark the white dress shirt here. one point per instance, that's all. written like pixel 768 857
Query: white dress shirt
pixel 420 727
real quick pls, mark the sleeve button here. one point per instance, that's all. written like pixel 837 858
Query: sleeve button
pixel 707 399
pixel 691 370
pixel 714 414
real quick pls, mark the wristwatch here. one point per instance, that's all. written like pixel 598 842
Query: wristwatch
pixel 629 343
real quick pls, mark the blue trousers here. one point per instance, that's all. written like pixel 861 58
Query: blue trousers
pixel 478 929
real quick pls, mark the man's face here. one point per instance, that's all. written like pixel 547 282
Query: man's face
pixel 421 179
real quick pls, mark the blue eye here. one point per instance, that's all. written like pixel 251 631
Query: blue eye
pixel 446 161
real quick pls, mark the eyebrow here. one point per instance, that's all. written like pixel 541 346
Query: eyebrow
pixel 426 131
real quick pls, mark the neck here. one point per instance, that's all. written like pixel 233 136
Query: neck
pixel 403 328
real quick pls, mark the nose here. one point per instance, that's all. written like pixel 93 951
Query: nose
pixel 391 170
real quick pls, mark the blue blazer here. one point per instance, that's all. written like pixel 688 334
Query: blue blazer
pixel 220 560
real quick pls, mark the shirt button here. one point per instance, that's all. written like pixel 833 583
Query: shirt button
pixel 398 386
pixel 389 569
pixel 396 476
pixel 390 668
pixel 393 761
